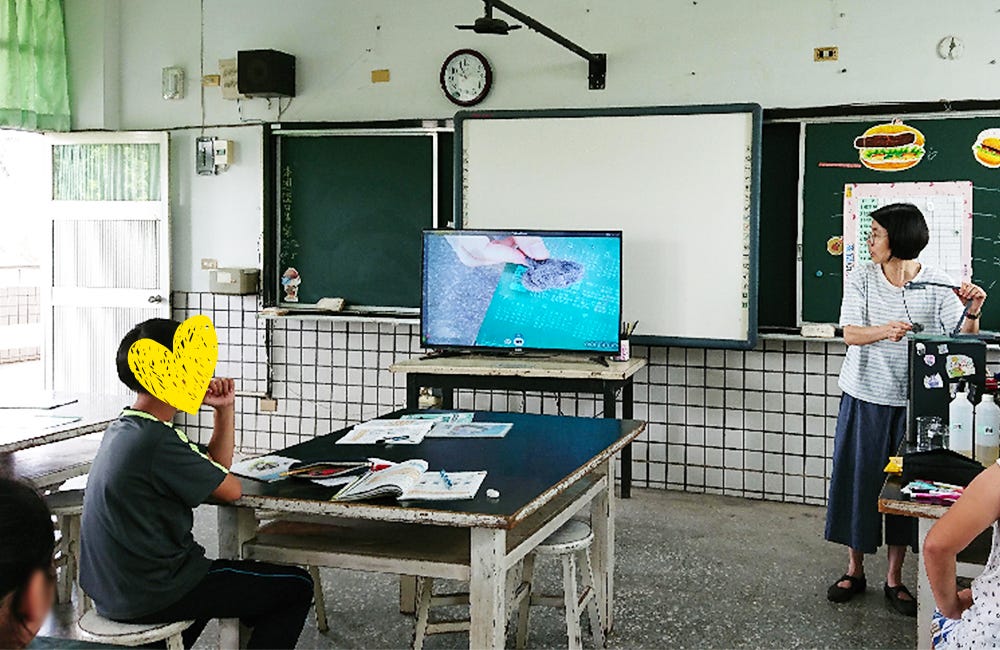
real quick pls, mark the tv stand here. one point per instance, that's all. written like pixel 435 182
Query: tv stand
pixel 550 373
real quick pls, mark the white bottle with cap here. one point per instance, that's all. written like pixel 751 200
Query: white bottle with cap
pixel 987 431
pixel 960 418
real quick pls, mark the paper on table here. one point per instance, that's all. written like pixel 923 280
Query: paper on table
pixel 440 417
pixel 470 430
pixel 432 487
pixel 263 468
pixel 397 432
pixel 27 422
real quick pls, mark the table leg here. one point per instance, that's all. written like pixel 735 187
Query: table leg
pixel 628 411
pixel 412 392
pixel 602 520
pixel 236 526
pixel 407 594
pixel 925 598
pixel 487 606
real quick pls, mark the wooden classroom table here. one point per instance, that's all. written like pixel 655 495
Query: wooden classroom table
pixel 547 468
pixel 49 456
pixel 550 373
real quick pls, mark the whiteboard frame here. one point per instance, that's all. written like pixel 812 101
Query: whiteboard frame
pixel 756 113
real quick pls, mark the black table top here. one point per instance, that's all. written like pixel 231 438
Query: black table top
pixel 540 452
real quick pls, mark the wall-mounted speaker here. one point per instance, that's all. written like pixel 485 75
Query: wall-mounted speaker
pixel 265 73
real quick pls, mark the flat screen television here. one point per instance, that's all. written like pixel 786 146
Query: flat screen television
pixel 522 290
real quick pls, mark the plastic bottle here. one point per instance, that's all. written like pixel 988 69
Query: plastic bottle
pixel 960 419
pixel 987 431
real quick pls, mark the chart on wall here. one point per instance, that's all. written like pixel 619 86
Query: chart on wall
pixel 946 206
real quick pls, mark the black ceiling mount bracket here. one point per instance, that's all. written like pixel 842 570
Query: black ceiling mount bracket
pixel 598 62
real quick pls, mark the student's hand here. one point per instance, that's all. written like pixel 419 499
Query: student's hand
pixel 221 393
pixel 480 250
pixel 896 330
pixel 971 295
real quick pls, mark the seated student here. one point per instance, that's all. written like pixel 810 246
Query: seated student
pixel 969 618
pixel 27 576
pixel 139 562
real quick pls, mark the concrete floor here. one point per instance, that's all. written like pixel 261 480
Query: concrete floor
pixel 694 571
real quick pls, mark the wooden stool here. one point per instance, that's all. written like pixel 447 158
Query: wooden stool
pixel 98 629
pixel 571 543
pixel 67 508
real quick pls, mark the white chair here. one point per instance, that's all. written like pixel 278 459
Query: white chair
pixel 572 544
pixel 97 629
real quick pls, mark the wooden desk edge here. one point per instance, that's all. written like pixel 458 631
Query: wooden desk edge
pixel 616 371
pixel 70 431
pixel 911 509
pixel 429 516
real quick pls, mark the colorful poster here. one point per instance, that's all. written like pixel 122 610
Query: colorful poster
pixel 947 207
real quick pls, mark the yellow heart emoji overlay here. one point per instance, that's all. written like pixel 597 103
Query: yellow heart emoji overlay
pixel 179 376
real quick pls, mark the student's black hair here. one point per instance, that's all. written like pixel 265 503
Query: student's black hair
pixel 906 228
pixel 27 539
pixel 160 330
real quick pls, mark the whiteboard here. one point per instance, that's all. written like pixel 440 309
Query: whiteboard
pixel 681 183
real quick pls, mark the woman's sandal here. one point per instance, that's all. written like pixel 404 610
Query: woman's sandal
pixel 901 605
pixel 839 594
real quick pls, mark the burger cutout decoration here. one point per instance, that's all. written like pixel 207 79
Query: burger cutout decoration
pixel 890 147
pixel 987 148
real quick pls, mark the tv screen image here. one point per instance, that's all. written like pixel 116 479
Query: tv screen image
pixel 540 290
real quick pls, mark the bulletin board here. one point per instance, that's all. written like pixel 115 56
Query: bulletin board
pixel 681 183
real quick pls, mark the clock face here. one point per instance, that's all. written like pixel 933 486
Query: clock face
pixel 466 77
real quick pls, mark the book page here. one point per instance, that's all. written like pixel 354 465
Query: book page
pixel 263 468
pixel 470 430
pixel 397 432
pixel 433 487
pixel 392 481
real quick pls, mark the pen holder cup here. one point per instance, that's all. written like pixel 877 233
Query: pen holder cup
pixel 624 353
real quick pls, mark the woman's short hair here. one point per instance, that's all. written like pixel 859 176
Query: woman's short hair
pixel 160 330
pixel 906 228
pixel 27 539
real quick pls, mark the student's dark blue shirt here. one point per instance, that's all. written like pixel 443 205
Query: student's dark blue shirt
pixel 137 552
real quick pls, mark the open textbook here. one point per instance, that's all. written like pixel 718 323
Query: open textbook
pixel 410 480
pixel 396 432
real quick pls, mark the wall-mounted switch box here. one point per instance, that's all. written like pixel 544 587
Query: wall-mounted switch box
pixel 239 282
pixel 208 263
pixel 828 53
pixel 268 405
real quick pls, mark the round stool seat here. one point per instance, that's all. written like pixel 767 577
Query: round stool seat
pixel 102 630
pixel 65 504
pixel 572 536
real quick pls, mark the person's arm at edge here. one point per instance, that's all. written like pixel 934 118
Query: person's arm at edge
pixel 859 335
pixel 977 509
pixel 221 397
pixel 975 298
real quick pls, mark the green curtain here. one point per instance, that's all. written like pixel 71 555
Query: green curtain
pixel 34 86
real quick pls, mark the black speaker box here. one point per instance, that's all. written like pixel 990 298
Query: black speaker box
pixel 265 73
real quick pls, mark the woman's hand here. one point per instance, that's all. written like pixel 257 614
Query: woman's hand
pixel 971 295
pixel 964 600
pixel 480 250
pixel 896 330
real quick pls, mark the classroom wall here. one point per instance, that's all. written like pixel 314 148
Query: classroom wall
pixel 756 424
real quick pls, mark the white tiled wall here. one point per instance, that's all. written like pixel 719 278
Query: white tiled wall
pixel 755 423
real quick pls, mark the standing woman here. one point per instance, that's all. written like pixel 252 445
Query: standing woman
pixel 876 314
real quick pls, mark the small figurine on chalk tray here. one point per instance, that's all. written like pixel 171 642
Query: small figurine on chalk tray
pixel 290 282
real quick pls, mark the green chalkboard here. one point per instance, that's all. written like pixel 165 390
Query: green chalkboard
pixel 779 224
pixel 948 157
pixel 351 209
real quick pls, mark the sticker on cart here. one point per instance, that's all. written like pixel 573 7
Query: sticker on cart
pixel 933 381
pixel 929 359
pixel 943 348
pixel 959 365
pixel 921 349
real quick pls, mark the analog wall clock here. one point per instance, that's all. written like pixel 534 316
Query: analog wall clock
pixel 466 77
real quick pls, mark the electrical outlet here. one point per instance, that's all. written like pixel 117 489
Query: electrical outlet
pixel 268 405
pixel 380 76
pixel 828 53
pixel 211 80
pixel 208 263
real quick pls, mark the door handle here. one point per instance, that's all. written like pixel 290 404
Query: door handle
pixel 155 299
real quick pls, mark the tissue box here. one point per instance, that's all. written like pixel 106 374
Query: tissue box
pixel 234 281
